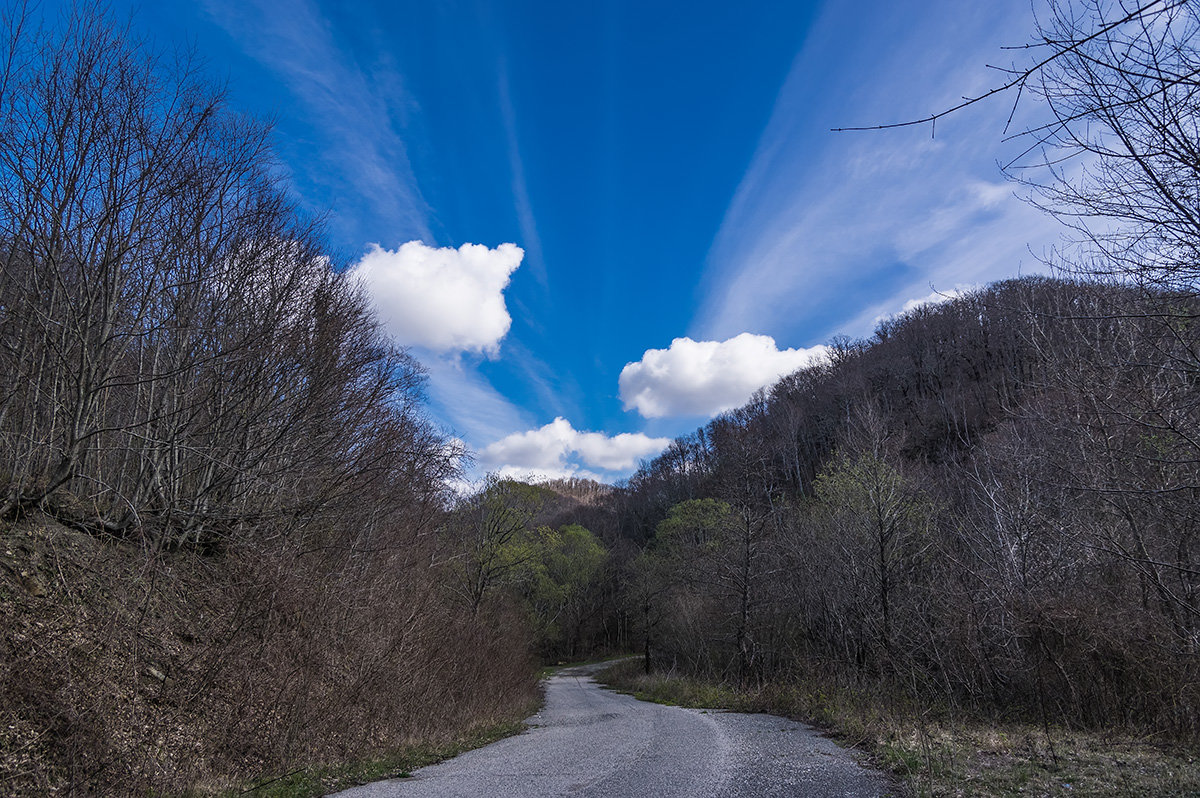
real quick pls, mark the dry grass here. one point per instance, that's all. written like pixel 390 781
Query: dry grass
pixel 935 753
pixel 318 780
pixel 128 672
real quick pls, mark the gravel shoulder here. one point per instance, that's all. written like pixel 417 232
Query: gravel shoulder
pixel 589 741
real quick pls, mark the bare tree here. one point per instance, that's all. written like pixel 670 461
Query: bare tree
pixel 878 516
pixel 1116 160
pixel 485 528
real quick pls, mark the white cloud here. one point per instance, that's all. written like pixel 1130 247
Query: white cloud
pixel 447 300
pixel 558 449
pixel 704 378
pixel 936 298
pixel 618 452
pixel 358 116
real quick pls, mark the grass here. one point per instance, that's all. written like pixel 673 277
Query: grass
pixel 320 780
pixel 934 752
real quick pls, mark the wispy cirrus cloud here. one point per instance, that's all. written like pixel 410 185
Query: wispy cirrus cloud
pixel 826 239
pixel 935 297
pixel 520 187
pixel 358 113
pixel 467 405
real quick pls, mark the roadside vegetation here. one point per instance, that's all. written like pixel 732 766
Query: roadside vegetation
pixel 968 542
pixel 936 751
pixel 314 781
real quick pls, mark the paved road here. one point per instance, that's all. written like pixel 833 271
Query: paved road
pixel 588 741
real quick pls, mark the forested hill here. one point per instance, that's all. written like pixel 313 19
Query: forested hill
pixel 991 501
pixel 938 378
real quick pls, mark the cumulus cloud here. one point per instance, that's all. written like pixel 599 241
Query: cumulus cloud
pixel 558 450
pixel 703 378
pixel 444 299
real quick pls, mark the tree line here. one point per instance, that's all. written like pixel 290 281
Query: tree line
pixel 991 502
pixel 179 355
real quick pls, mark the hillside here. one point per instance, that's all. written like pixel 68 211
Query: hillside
pixel 221 499
pixel 992 502
pixel 122 673
pixel 263 391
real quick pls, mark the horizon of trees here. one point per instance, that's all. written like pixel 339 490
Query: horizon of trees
pixel 983 506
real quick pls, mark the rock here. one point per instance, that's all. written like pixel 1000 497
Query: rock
pixel 32 582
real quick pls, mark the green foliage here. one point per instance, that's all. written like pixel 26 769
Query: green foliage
pixel 555 574
pixel 875 515
pixel 493 525
pixel 871 493
pixel 695 527
pixel 563 561
pixel 556 577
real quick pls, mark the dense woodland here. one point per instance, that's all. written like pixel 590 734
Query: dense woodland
pixel 991 503
pixel 232 541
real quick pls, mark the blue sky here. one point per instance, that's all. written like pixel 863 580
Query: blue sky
pixel 688 226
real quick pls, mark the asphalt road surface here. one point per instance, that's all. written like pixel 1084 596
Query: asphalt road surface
pixel 588 741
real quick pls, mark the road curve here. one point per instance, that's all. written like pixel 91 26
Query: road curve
pixel 588 741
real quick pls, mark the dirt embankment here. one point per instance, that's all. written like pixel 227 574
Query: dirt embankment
pixel 124 670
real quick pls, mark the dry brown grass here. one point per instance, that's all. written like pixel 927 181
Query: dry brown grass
pixel 123 671
pixel 937 753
